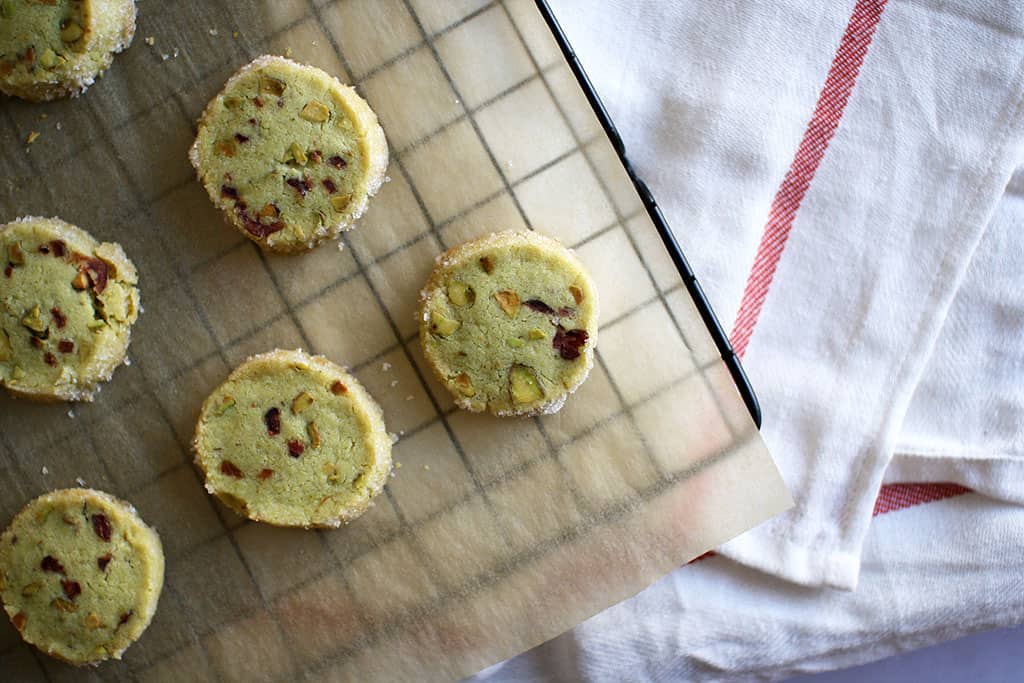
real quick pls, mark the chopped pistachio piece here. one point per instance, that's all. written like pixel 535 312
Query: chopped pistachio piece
pixel 96 324
pixel 80 282
pixel 225 148
pixel 301 402
pixel 314 435
pixel 33 320
pixel 340 201
pixel 523 385
pixel 515 342
pixel 31 589
pixel 509 302
pixel 271 86
pixel 71 32
pixel 536 334
pixel 299 154
pixel 460 294
pixel 17 373
pixel 442 325
pixel 315 112
pixel 577 294
pixel 48 59
pixel 227 404
pixel 465 385
pixel 232 102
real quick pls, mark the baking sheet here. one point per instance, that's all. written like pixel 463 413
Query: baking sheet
pixel 494 535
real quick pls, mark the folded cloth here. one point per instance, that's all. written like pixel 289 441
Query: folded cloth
pixel 928 575
pixel 829 169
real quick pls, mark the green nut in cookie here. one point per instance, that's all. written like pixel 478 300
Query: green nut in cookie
pixel 508 323
pixel 67 305
pixel 293 440
pixel 80 575
pixel 289 154
pixel 56 48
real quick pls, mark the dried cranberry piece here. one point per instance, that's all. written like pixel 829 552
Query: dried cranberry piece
pixel 44 249
pixel 8 270
pixel 337 162
pixel 254 227
pixel 66 346
pixel 58 317
pixel 301 185
pixel 566 312
pixel 569 342
pixel 125 617
pixel 241 138
pixel 35 341
pixel 330 186
pixel 265 474
pixel 72 589
pixel 101 525
pixel 252 122
pixel 59 248
pixel 19 620
pixel 103 561
pixel 539 306
pixel 339 388
pixel 49 359
pixel 295 448
pixel 231 469
pixel 51 564
pixel 316 156
pixel 258 102
pixel 273 421
pixel 95 269
pixel 228 191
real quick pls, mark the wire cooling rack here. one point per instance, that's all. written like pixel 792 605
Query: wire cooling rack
pixel 494 535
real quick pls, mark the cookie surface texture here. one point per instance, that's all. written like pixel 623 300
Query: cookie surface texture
pixel 67 304
pixel 293 440
pixel 508 323
pixel 55 48
pixel 289 154
pixel 81 575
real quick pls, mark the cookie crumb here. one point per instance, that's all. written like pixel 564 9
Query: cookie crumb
pixel 394 383
pixel 385 366
pixel 80 481
pixel 32 137
pixel 426 467
pixel 393 437
pixel 214 31
pixel 409 397
pixel 150 41
pixel 45 470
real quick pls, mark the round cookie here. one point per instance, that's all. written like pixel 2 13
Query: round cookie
pixel 80 575
pixel 293 440
pixel 67 304
pixel 508 322
pixel 289 154
pixel 56 48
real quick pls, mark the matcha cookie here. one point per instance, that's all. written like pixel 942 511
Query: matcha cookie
pixel 293 440
pixel 508 322
pixel 56 48
pixel 80 575
pixel 289 154
pixel 67 304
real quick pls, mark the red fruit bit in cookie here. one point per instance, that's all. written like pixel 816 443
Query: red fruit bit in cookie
pixel 228 191
pixel 66 346
pixel 231 469
pixel 51 564
pixel 295 448
pixel 19 620
pixel 241 138
pixel 539 306
pixel 566 312
pixel 301 185
pixel 103 561
pixel 59 248
pixel 35 341
pixel 124 618
pixel 44 249
pixel 330 186
pixel 569 342
pixel 8 270
pixel 58 317
pixel 337 162
pixel 72 589
pixel 273 421
pixel 49 359
pixel 101 525
pixel 254 227
pixel 316 156
pixel 95 269
pixel 258 102
pixel 265 474
pixel 338 388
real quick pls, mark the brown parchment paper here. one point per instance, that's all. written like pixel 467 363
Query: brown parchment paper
pixel 493 535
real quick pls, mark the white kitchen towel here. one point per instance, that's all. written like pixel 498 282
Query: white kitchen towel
pixel 888 178
pixel 928 575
